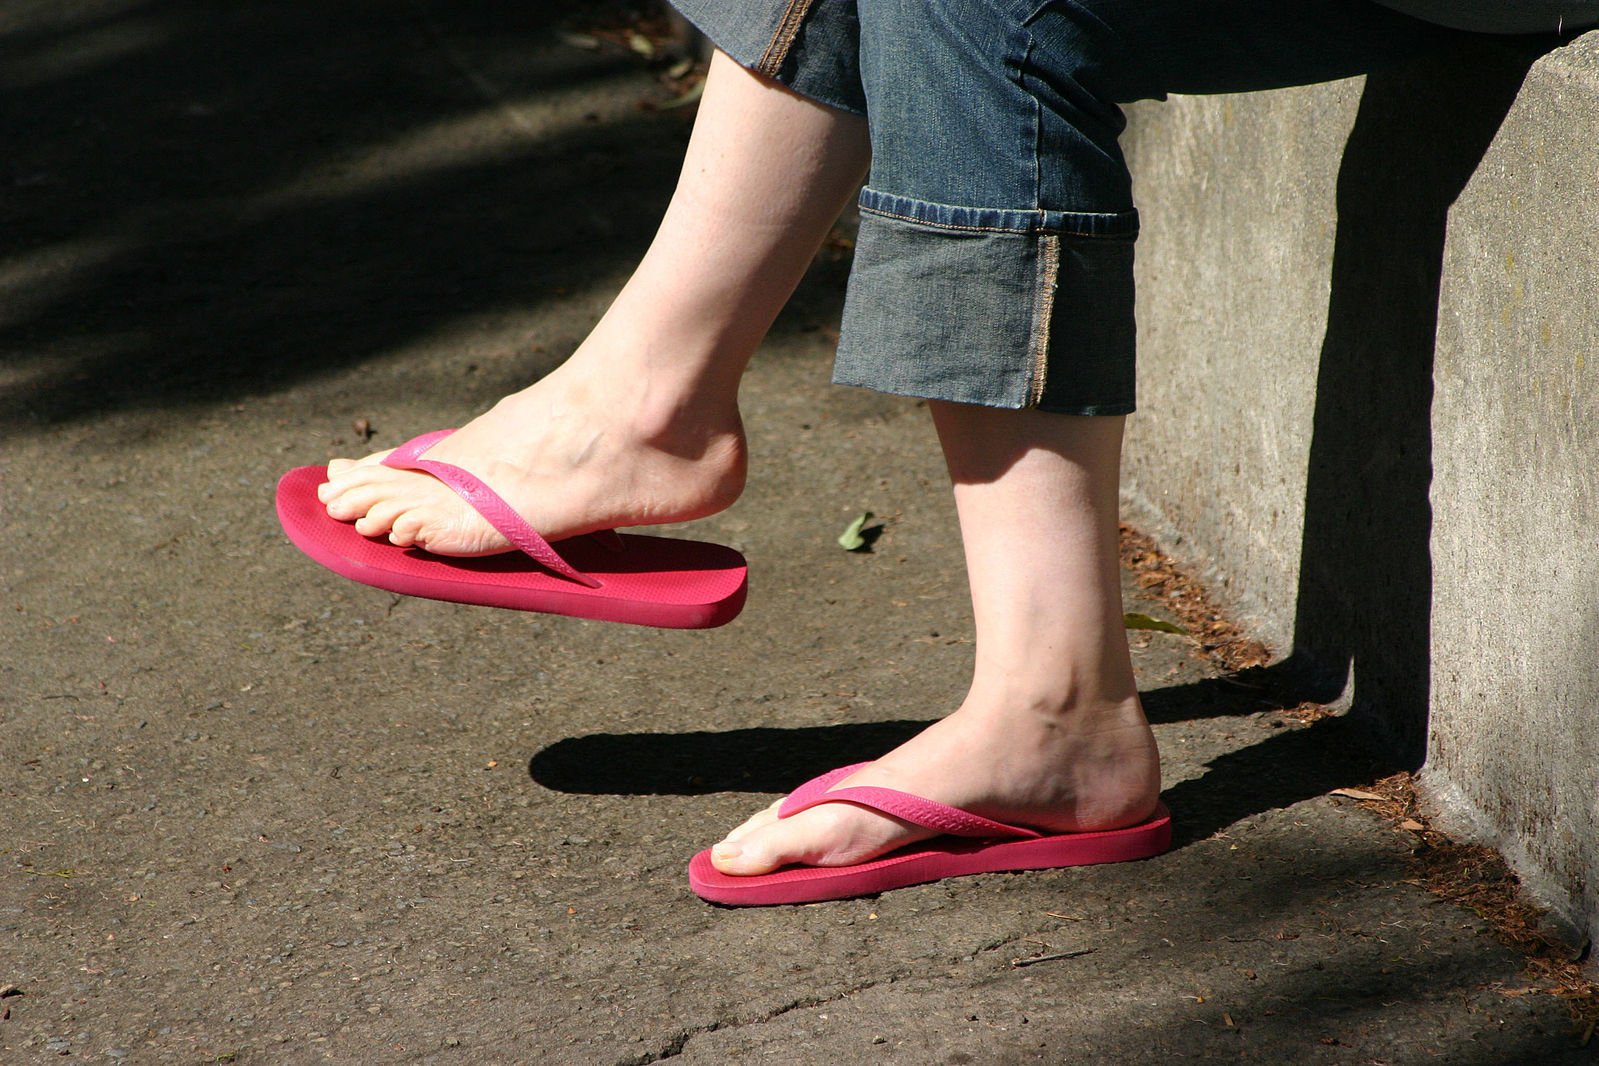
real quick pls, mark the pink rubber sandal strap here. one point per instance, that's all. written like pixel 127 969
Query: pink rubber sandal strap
pixel 927 813
pixel 815 787
pixel 485 501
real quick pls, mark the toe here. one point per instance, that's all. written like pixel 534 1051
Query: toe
pixel 382 517
pixel 758 851
pixel 409 528
pixel 344 473
pixel 762 849
pixel 357 488
pixel 327 492
pixel 759 820
pixel 340 466
pixel 832 835
pixel 350 502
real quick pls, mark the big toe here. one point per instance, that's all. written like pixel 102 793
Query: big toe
pixel 340 466
pixel 833 835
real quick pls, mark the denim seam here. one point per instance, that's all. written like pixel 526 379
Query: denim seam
pixel 783 38
pixel 984 229
pixel 1037 119
pixel 1043 314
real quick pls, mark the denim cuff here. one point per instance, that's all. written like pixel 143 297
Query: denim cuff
pixel 997 307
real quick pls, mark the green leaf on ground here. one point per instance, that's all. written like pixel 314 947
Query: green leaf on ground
pixel 851 540
pixel 1134 620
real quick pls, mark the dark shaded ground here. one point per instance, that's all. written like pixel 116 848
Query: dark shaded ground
pixel 254 813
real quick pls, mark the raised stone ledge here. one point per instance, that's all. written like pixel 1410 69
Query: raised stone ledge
pixel 1369 411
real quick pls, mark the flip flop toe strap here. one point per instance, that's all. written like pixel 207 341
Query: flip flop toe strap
pixel 917 810
pixel 486 502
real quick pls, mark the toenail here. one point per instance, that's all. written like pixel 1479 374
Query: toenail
pixel 724 850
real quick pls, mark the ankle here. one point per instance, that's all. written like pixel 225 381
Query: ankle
pixel 677 356
pixel 1061 702
pixel 661 400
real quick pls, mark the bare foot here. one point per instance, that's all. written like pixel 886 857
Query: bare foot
pixel 1014 767
pixel 573 453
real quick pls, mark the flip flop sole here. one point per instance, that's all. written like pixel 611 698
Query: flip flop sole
pixel 932 860
pixel 652 581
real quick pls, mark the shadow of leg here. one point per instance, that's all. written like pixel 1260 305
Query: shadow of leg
pixel 1365 579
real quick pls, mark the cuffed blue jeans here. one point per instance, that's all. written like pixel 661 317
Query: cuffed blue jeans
pixel 994 264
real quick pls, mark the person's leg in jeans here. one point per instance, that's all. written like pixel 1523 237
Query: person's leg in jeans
pixel 641 425
pixel 998 196
pixel 1050 734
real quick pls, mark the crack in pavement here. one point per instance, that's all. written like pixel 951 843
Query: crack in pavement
pixel 679 1041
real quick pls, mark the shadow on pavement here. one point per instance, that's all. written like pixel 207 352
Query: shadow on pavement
pixel 1287 767
pixel 694 764
pixel 183 222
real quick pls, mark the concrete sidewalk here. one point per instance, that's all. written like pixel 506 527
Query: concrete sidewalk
pixel 254 813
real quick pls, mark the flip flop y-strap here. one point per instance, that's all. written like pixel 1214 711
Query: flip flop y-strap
pixel 917 810
pixel 486 502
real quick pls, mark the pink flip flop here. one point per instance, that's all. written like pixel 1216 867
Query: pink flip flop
pixel 653 581
pixel 972 845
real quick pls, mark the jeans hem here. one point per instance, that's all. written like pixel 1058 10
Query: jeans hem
pixel 781 50
pixel 980 399
pixel 991 316
pixel 1118 224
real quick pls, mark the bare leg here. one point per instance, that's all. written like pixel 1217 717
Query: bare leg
pixel 1051 733
pixel 641 424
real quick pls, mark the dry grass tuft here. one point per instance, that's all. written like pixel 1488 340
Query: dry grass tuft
pixel 1185 599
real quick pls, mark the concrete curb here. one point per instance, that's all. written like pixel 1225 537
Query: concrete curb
pixel 1402 270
